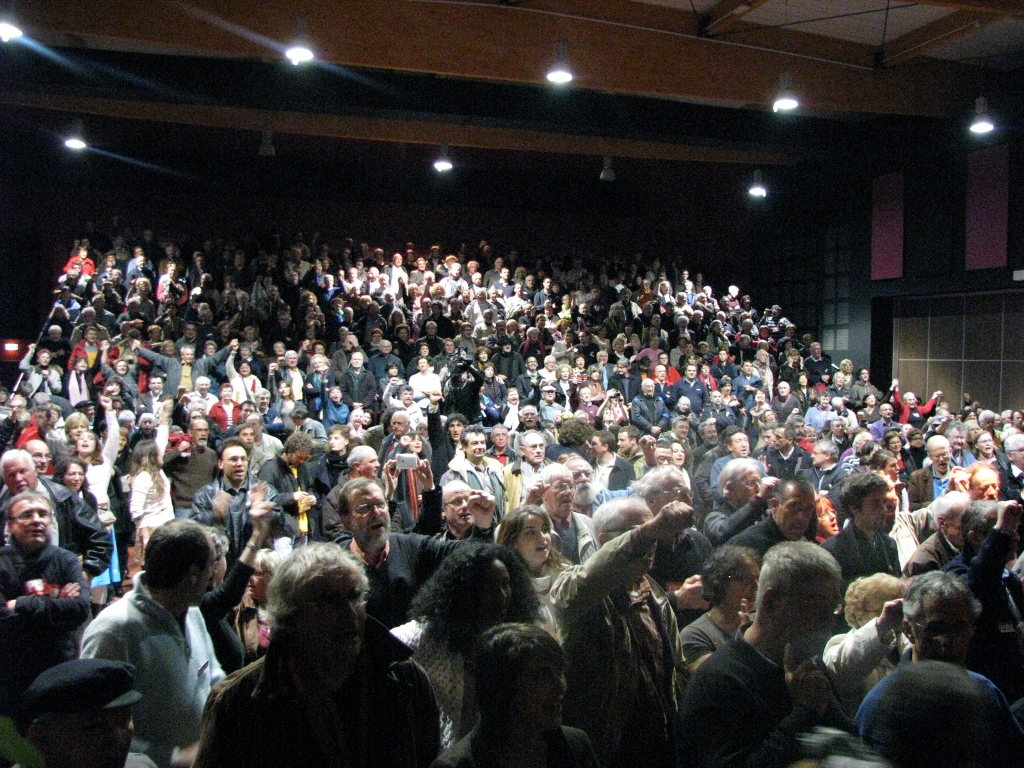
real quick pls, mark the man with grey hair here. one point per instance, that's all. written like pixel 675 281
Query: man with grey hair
pixel 748 702
pixel 825 472
pixel 959 456
pixel 743 499
pixel 990 540
pixel 679 561
pixel 76 527
pixel 939 613
pixel 623 655
pixel 1011 474
pixel 930 482
pixel 370 703
pixel 942 546
pixel 264 446
pixel 555 489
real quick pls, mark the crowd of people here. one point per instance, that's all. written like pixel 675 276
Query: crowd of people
pixel 310 503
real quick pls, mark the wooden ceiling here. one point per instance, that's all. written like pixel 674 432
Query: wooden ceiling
pixel 722 53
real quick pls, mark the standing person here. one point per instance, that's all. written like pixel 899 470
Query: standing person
pixel 772 675
pixel 864 547
pixel 621 637
pixel 150 503
pixel 100 460
pixel 44 598
pixel 334 689
pixel 291 475
pixel 476 587
pixel 78 528
pixel 521 706
pixel 158 628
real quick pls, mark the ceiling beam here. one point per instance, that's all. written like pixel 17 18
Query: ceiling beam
pixel 1000 7
pixel 380 129
pixel 620 47
pixel 920 41
pixel 726 13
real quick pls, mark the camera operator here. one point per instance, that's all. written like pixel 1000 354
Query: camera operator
pixel 462 389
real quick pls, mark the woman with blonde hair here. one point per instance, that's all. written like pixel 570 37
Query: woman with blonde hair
pixel 150 504
pixel 861 657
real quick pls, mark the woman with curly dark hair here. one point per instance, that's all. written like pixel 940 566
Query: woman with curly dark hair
pixel 476 587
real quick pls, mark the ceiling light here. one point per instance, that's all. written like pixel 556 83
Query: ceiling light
pixel 757 188
pixel 785 100
pixel 300 51
pixel 267 145
pixel 607 173
pixel 559 73
pixel 8 31
pixel 443 164
pixel 74 139
pixel 982 122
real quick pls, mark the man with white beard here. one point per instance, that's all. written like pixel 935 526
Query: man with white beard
pixel 587 496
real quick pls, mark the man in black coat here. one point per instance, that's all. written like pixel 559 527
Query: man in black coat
pixel 44 598
pixel 78 528
pixel 793 518
pixel 864 547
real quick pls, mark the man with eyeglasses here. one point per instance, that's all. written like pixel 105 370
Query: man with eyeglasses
pixel 1011 474
pixel 750 700
pixel 77 528
pixel 555 488
pixel 521 474
pixel 991 539
pixel 44 598
pixel 335 687
pixel 928 483
pixel 398 564
pixel 939 613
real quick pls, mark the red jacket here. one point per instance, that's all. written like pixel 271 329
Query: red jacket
pixel 219 415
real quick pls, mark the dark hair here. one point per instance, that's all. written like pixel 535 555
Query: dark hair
pixel 472 429
pixel 298 442
pixel 502 654
pixel 932 714
pixel 231 442
pixel 172 549
pixel 792 485
pixel 880 458
pixel 723 567
pixel 575 433
pixel 456 417
pixel 447 604
pixel 858 487
pixel 607 438
pixel 61 469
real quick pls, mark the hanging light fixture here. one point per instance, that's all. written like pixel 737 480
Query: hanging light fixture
pixel 300 51
pixel 607 173
pixel 757 188
pixel 443 164
pixel 559 73
pixel 74 139
pixel 785 100
pixel 8 29
pixel 267 144
pixel 982 122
